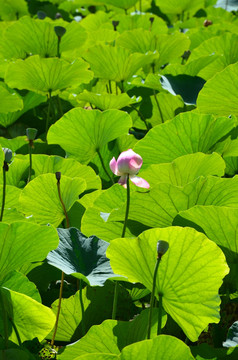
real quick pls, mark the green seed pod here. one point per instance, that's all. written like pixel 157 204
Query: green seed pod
pixel 60 31
pixel 31 133
pixel 8 155
pixel 162 247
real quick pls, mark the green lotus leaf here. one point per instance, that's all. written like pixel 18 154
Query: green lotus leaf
pixel 12 9
pixel 192 265
pixel 116 63
pixel 218 95
pixel 44 164
pixel 160 348
pixel 169 47
pixel 116 334
pixel 23 243
pixel 159 206
pixel 88 131
pixel 184 169
pixel 101 36
pixel 81 257
pixel 213 220
pixel 10 100
pixel 17 169
pixel 31 318
pixel 179 6
pixel 207 352
pixel 20 283
pixel 123 4
pixel 47 75
pixel 187 133
pixel 106 101
pixel 223 45
pixel 37 37
pixel 12 215
pixel 12 196
pixel 30 101
pixel 95 218
pixel 143 21
pixel 96 310
pixel 188 87
pixel 40 198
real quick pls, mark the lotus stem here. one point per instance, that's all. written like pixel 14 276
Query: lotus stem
pixel 58 177
pixel 30 161
pixel 16 331
pixel 104 167
pixel 115 300
pixel 48 114
pixel 158 106
pixel 160 311
pixel 127 206
pixel 152 298
pixel 82 307
pixel 58 311
pixel 5 168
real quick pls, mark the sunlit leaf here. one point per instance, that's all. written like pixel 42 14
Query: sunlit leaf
pixel 192 265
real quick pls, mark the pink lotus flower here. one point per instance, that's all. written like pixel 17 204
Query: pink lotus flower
pixel 128 164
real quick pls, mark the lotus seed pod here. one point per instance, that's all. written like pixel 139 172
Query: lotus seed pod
pixel 60 31
pixel 31 133
pixel 115 24
pixel 162 247
pixel 58 175
pixel 41 15
pixel 8 155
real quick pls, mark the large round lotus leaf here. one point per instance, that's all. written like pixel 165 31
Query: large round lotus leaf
pixel 161 348
pixel 169 47
pixel 40 198
pixel 185 169
pixel 179 6
pixel 83 257
pixel 18 282
pixel 37 37
pixel 128 22
pixel 116 63
pixel 12 9
pixel 30 100
pixel 188 87
pixel 106 101
pixel 10 100
pixel 87 131
pixel 189 275
pixel 23 243
pixel 43 164
pixel 31 318
pixel 47 75
pixel 187 133
pixel 163 202
pixel 224 45
pixel 218 95
pixel 220 225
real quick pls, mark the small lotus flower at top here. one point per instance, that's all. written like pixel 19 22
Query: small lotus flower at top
pixel 128 164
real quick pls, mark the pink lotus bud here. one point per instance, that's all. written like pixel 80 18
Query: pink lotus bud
pixel 128 164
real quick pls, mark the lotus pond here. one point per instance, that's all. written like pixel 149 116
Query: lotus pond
pixel 118 185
